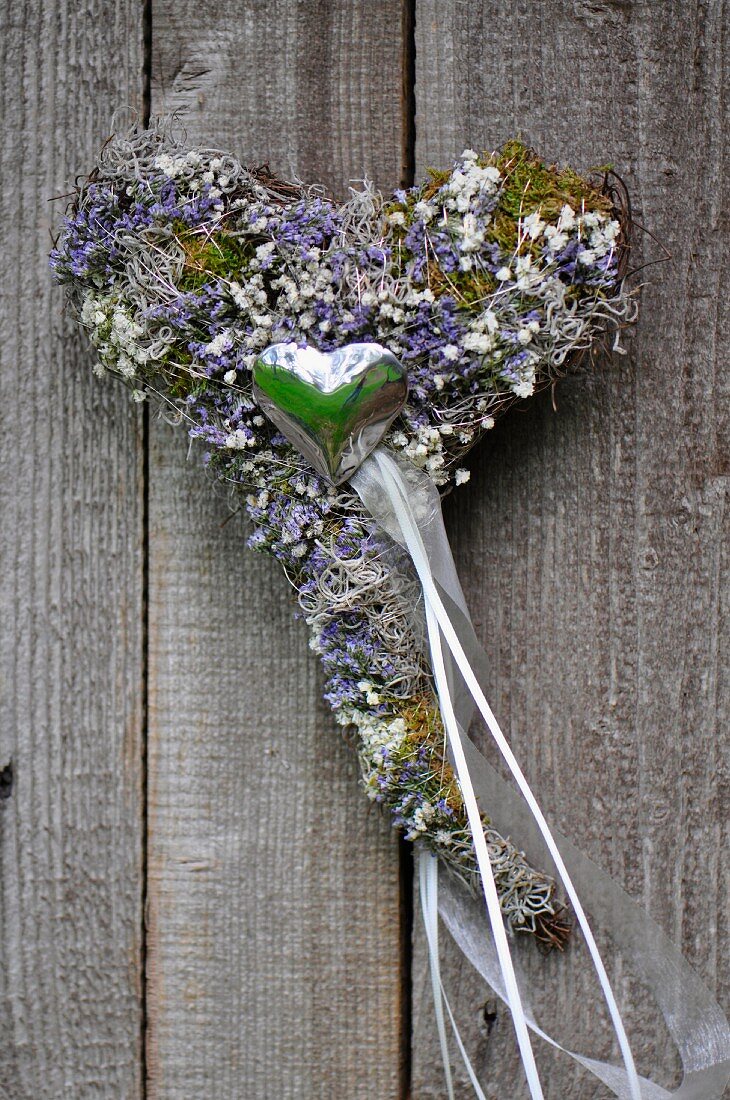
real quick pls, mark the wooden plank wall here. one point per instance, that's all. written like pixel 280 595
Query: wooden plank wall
pixel 71 810
pixel 275 935
pixel 593 541
pixel 590 542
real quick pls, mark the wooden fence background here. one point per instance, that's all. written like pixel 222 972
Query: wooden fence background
pixel 182 914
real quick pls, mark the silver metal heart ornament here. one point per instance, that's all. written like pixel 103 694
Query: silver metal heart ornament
pixel 334 406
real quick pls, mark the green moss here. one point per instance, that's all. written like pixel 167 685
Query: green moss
pixel 173 372
pixel 468 288
pixel 529 185
pixel 208 256
pixel 425 730
pixel 437 178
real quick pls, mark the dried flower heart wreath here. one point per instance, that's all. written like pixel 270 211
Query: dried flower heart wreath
pixel 484 283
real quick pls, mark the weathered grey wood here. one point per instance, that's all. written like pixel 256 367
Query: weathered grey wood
pixel 275 930
pixel 591 541
pixel 71 594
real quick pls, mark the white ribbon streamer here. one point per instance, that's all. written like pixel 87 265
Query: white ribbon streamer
pixel 429 911
pixel 491 895
pixel 406 504
pixel 428 884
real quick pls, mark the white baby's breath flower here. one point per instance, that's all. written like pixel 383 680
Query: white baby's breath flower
pixel 555 239
pixel 229 377
pixel 480 342
pixel 524 389
pixel 424 211
pixel 462 476
pixel 567 217
pixel 533 225
pixel 590 219
pixel 236 441
pixel 165 164
pixel 218 344
pixel 263 251
pixel 503 275
pixel 90 310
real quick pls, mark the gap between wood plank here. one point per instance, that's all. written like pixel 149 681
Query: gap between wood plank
pixel 144 1015
pixel 408 97
pixel 405 848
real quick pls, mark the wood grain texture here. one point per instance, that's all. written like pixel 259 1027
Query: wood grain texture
pixel 71 593
pixel 592 542
pixel 274 918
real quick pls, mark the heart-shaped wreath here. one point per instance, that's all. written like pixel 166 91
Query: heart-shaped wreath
pixel 484 282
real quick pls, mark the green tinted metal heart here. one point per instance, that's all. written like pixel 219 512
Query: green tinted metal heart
pixel 334 407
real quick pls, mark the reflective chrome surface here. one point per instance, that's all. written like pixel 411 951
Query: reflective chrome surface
pixel 334 407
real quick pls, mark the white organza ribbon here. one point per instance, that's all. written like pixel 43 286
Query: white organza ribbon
pixel 405 503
